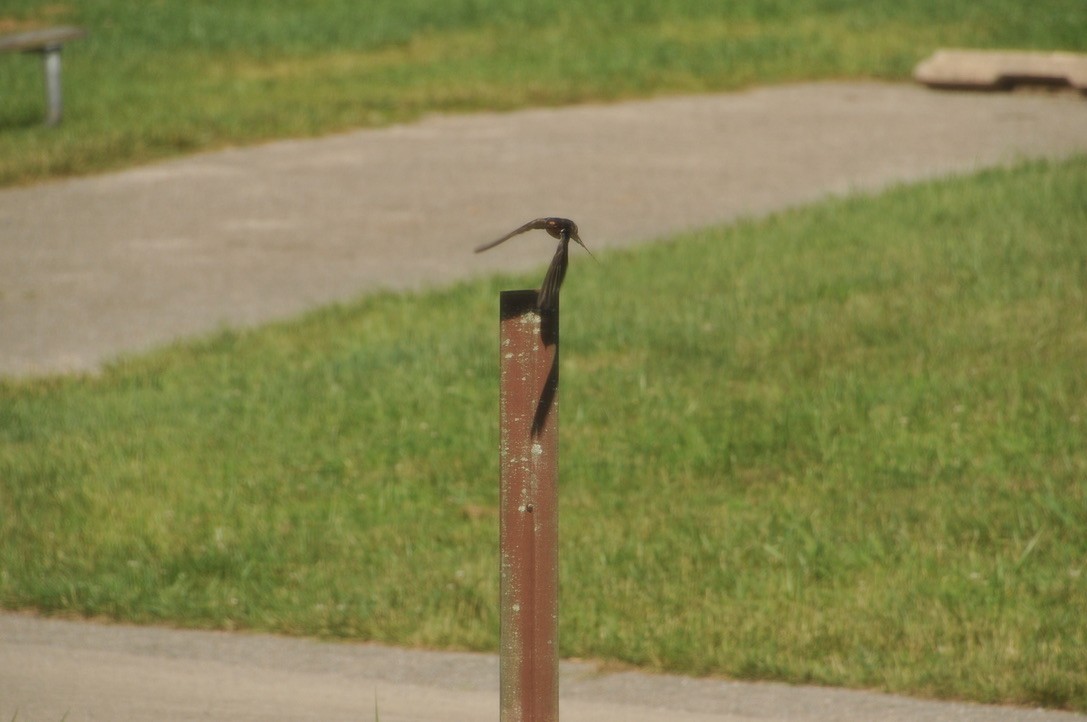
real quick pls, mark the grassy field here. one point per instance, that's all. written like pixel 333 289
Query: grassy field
pixel 844 445
pixel 173 76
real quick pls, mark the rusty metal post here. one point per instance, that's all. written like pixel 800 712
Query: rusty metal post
pixel 528 502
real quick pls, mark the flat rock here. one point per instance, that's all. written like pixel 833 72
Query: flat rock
pixel 1000 69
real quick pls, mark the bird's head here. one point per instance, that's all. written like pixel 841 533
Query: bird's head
pixel 577 239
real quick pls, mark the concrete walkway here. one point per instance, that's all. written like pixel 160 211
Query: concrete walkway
pixel 91 268
pixel 117 263
pixel 52 670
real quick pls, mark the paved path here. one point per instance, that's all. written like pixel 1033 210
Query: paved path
pixel 52 670
pixel 93 267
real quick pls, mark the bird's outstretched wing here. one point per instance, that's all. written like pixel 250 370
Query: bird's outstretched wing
pixel 539 223
pixel 548 297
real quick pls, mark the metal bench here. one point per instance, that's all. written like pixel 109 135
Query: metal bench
pixel 47 43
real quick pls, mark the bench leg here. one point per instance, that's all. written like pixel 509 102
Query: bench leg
pixel 51 60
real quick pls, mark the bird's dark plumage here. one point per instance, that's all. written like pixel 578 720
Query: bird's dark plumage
pixel 548 299
pixel 565 230
pixel 556 227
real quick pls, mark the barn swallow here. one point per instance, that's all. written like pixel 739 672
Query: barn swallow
pixel 565 230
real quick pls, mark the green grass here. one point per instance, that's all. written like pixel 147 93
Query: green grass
pixel 844 445
pixel 173 76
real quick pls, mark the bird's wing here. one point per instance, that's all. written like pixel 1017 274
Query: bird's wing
pixel 530 226
pixel 548 297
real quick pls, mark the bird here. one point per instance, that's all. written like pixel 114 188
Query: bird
pixel 565 230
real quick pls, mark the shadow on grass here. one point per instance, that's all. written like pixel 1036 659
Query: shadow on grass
pixel 15 119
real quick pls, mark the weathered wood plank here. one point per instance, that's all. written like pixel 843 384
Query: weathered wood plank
pixel 39 40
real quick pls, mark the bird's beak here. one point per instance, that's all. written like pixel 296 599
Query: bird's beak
pixel 580 243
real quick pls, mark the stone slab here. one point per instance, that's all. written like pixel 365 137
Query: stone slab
pixel 1001 69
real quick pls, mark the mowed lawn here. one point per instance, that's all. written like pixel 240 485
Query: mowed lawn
pixel 164 77
pixel 843 445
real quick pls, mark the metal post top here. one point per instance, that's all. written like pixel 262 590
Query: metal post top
pixel 43 40
pixel 514 303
